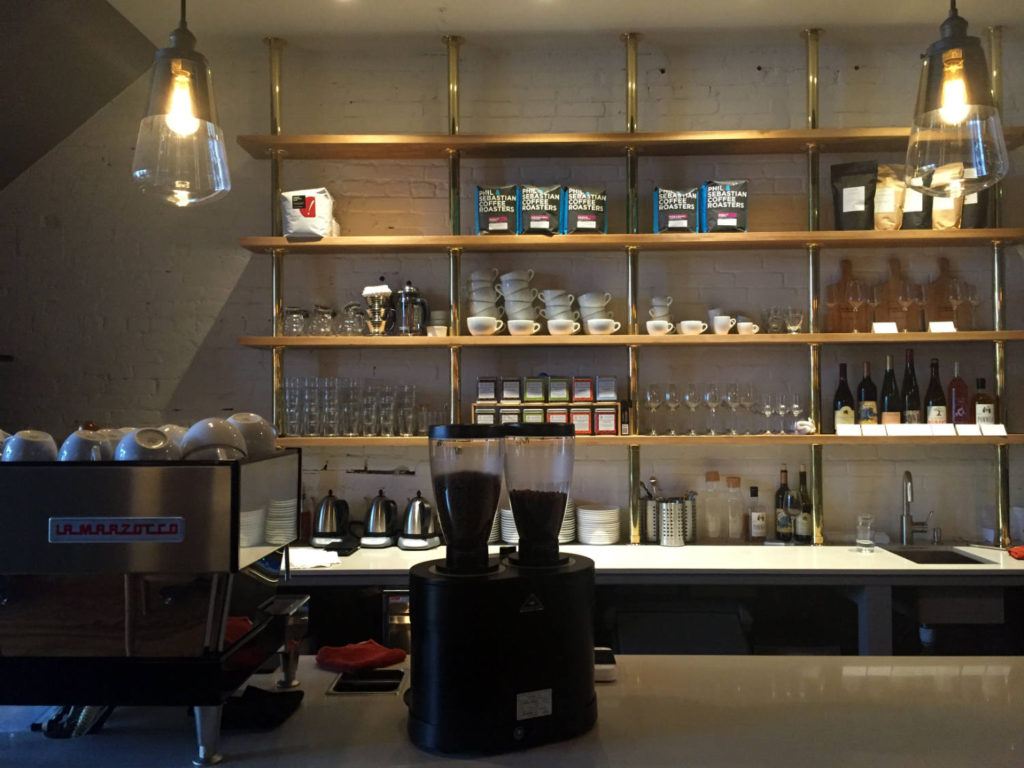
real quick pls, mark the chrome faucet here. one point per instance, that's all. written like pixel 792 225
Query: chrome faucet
pixel 909 526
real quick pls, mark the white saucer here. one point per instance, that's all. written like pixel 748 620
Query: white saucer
pixel 376 542
pixel 409 543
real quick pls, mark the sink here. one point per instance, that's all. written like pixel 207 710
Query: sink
pixel 937 556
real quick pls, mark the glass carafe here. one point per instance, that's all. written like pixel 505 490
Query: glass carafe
pixel 466 462
pixel 538 474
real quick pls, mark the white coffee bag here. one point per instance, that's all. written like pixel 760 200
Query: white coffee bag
pixel 308 213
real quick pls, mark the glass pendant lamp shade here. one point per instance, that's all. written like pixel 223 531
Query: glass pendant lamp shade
pixel 956 142
pixel 179 153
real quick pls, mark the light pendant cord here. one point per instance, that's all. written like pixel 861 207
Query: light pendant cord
pixel 183 24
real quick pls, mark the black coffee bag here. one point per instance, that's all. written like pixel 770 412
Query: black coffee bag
pixel 540 209
pixel 853 194
pixel 917 209
pixel 676 210
pixel 584 211
pixel 723 206
pixel 975 211
pixel 496 209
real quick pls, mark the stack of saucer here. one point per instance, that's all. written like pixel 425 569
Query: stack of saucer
pixel 251 526
pixel 495 536
pixel 568 533
pixel 597 525
pixel 282 517
pixel 509 532
pixel 483 299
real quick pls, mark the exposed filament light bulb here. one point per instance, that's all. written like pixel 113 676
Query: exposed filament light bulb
pixel 954 107
pixel 180 115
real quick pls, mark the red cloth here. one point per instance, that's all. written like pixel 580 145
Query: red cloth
pixel 365 655
pixel 237 627
pixel 1017 553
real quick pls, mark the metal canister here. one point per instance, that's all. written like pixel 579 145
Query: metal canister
pixel 671 530
pixel 651 521
pixel 690 517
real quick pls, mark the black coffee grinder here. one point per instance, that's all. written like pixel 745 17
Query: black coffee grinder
pixel 502 648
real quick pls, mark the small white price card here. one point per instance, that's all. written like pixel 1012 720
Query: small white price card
pixel 946 430
pixel 942 326
pixel 993 429
pixel 884 328
pixel 873 430
pixel 908 430
pixel 968 430
pixel 848 429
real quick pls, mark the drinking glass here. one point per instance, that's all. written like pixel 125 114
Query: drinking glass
pixel 293 406
pixel 865 537
pixel 328 406
pixel 905 298
pixel 652 401
pixel 294 321
pixel 322 321
pixel 973 299
pixel 955 295
pixel 855 297
pixel 731 400
pixel 747 397
pixel 796 406
pixel 831 305
pixel 311 406
pixel 407 421
pixel 773 321
pixel 873 300
pixel 673 400
pixel 712 399
pixel 794 319
pixel 691 399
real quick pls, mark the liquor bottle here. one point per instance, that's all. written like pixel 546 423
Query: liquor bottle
pixel 867 398
pixel 910 396
pixel 934 399
pixel 842 403
pixel 891 405
pixel 712 506
pixel 802 526
pixel 757 519
pixel 957 402
pixel 733 504
pixel 984 405
pixel 783 508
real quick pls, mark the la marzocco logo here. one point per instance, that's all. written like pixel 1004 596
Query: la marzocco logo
pixel 115 530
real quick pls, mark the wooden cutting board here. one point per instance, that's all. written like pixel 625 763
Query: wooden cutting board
pixel 839 315
pixel 937 306
pixel 889 309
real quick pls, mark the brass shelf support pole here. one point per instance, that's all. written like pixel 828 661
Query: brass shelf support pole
pixel 452 44
pixel 275 46
pixel 817 478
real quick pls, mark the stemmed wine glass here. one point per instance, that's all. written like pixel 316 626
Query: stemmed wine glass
pixel 652 401
pixel 794 319
pixel 673 400
pixel 855 297
pixel 874 299
pixel 974 300
pixel 907 298
pixel 731 400
pixel 955 295
pixel 747 396
pixel 796 407
pixel 767 407
pixel 712 399
pixel 780 405
pixel 831 305
pixel 691 399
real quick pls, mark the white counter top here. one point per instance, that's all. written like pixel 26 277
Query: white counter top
pixel 736 711
pixel 625 562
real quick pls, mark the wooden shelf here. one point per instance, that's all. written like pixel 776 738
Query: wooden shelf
pixel 620 340
pixel 649 441
pixel 438 146
pixel 711 241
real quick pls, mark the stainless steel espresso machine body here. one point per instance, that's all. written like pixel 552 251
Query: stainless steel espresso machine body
pixel 502 648
pixel 146 583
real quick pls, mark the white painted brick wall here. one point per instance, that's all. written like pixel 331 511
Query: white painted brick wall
pixel 120 310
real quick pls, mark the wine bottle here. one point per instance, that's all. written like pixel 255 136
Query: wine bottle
pixel 867 398
pixel 783 496
pixel 934 399
pixel 842 403
pixel 891 405
pixel 757 519
pixel 984 405
pixel 910 396
pixel 802 526
pixel 958 404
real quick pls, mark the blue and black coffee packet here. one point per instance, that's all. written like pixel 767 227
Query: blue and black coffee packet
pixel 496 209
pixel 584 211
pixel 676 210
pixel 540 209
pixel 723 206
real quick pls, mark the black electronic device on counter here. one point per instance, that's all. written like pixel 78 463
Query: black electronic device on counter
pixel 502 646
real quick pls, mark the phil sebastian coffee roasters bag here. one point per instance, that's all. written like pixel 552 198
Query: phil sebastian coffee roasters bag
pixel 496 210
pixel 675 210
pixel 539 209
pixel 584 211
pixel 723 206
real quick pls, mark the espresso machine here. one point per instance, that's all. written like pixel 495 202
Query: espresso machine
pixel 502 647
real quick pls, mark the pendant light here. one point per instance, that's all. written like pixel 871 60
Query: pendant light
pixel 179 153
pixel 956 142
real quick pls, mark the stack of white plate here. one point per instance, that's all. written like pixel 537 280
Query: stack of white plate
pixel 282 518
pixel 596 524
pixel 251 525
pixel 510 534
pixel 495 536
pixel 568 532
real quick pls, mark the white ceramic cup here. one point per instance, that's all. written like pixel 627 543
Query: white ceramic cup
pixel 520 310
pixel 659 313
pixel 723 324
pixel 692 327
pixel 746 328
pixel 523 327
pixel 484 274
pixel 30 445
pixel 601 326
pixel 147 444
pixel 661 301
pixel 512 286
pixel 588 313
pixel 439 317
pixel 260 435
pixel 85 445
pixel 525 294
pixel 174 431
pixel 483 294
pixel 216 453
pixel 563 327
pixel 483 326
pixel 437 330
pixel 594 299
pixel 212 432
pixel 559 301
pixel 517 274
pixel 556 295
pixel 659 327
pixel 558 313
pixel 485 310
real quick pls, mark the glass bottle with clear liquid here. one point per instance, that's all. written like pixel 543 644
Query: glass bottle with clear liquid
pixel 734 507
pixel 712 504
